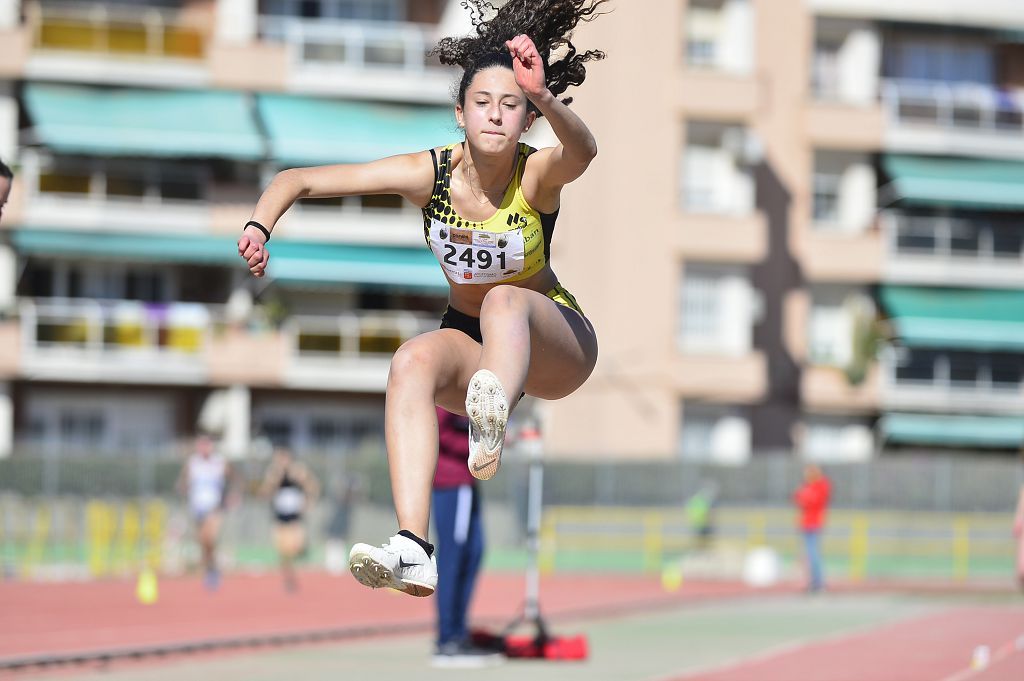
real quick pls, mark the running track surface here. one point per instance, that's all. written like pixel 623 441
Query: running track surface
pixel 69 618
pixel 918 643
pixel 933 647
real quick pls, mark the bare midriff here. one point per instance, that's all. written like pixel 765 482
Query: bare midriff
pixel 468 298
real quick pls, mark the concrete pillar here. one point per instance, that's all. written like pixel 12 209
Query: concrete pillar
pixel 6 420
pixel 227 414
pixel 859 66
pixel 237 427
pixel 857 196
pixel 737 37
pixel 8 122
pixel 8 277
pixel 237 21
pixel 9 14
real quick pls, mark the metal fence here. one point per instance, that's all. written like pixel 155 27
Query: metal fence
pixel 910 516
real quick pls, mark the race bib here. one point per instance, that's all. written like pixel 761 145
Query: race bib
pixel 472 256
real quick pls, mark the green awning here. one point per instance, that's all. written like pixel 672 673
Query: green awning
pixel 197 248
pixel 954 431
pixel 96 121
pixel 318 264
pixel 963 183
pixel 970 319
pixel 291 262
pixel 309 131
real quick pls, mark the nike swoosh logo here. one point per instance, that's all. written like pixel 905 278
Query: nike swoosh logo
pixel 480 466
pixel 403 564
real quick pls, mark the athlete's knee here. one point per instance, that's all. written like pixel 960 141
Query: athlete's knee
pixel 412 359
pixel 501 299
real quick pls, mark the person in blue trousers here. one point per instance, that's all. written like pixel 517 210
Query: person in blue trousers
pixel 458 524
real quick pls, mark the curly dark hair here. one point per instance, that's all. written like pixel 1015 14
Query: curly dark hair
pixel 549 23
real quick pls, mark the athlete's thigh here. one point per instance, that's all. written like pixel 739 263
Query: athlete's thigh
pixel 453 357
pixel 563 348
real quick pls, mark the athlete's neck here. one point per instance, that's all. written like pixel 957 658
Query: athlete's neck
pixel 490 174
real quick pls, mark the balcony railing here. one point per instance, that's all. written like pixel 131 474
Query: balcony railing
pixel 354 44
pixel 115 327
pixel 119 31
pixel 965 106
pixel 351 335
pixel 944 380
pixel 956 239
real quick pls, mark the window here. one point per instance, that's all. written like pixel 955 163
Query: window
pixel 948 60
pixel 714 434
pixel 826 197
pixel 716 310
pixel 700 308
pixel 825 70
pixel 917 366
pixel 361 10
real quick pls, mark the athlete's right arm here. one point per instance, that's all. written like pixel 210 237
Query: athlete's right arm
pixel 408 175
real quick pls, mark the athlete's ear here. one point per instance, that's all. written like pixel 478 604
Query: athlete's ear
pixel 458 116
pixel 531 118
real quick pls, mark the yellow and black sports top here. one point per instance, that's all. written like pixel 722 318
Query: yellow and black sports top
pixel 512 244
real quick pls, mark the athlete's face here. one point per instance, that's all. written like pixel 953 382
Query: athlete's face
pixel 5 191
pixel 495 113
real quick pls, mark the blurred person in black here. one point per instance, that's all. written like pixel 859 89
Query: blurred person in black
pixel 489 204
pixel 292 489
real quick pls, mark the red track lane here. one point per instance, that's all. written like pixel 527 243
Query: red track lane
pixel 932 648
pixel 73 618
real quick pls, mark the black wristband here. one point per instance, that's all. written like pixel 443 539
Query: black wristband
pixel 266 232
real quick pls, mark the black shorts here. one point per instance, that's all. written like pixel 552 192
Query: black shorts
pixel 453 319
pixel 460 321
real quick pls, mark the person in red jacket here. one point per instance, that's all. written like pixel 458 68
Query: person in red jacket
pixel 812 500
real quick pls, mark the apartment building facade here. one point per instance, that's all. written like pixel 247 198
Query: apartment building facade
pixel 796 182
pixel 773 178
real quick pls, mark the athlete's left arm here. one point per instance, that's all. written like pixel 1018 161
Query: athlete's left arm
pixel 559 165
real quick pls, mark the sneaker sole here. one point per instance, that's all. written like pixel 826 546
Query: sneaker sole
pixel 487 407
pixel 369 572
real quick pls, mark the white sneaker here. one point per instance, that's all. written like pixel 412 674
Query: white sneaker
pixel 401 564
pixel 487 407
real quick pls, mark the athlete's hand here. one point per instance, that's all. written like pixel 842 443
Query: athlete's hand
pixel 1018 526
pixel 252 249
pixel 527 65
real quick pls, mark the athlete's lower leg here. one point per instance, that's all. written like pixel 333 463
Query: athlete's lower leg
pixel 410 432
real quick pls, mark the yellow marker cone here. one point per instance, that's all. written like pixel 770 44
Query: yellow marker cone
pixel 146 590
pixel 671 576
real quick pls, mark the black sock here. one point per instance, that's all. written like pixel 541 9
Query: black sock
pixel 424 544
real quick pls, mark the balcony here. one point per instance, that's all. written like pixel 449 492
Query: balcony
pixel 714 378
pixel 947 381
pixel 97 42
pixel 841 126
pixel 954 251
pixel 718 95
pixel 723 238
pixel 111 196
pixel 377 60
pixel 379 220
pixel 826 389
pixel 114 341
pixel 953 118
pixel 349 352
pixel 841 257
pixel 189 344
